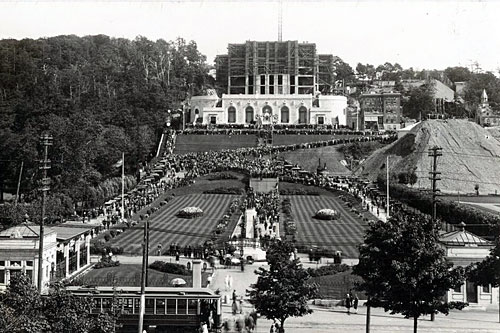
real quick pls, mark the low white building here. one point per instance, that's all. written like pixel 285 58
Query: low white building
pixel 280 109
pixel 462 249
pixel 66 252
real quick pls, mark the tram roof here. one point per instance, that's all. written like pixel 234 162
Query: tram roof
pixel 150 291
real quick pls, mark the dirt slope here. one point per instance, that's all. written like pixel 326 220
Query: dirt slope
pixel 471 155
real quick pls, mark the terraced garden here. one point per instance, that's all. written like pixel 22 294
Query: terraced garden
pixel 166 227
pixel 343 234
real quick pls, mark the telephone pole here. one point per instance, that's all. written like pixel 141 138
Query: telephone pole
pixel 46 141
pixel 434 152
pixel 144 275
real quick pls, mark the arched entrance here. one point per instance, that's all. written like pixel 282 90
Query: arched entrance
pixel 302 115
pixel 285 115
pixel 249 115
pixel 267 113
pixel 231 114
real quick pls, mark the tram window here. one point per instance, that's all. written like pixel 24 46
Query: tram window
pixel 106 303
pixel 181 306
pixel 160 306
pixel 137 305
pixel 150 305
pixel 171 306
pixel 96 306
pixel 128 305
pixel 192 306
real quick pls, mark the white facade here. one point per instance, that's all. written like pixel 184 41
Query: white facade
pixel 19 254
pixel 463 248
pixel 284 109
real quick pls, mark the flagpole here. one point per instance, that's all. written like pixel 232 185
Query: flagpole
pixel 123 186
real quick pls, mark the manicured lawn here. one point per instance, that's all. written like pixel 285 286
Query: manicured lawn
pixel 308 159
pixel 166 227
pixel 336 286
pixel 197 143
pixel 343 234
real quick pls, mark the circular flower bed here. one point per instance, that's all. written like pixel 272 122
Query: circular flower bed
pixel 190 212
pixel 326 214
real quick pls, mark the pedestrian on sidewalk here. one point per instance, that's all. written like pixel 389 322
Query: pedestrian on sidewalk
pixel 355 303
pixel 159 249
pixel 348 302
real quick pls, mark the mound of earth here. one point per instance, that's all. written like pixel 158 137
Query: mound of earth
pixel 471 155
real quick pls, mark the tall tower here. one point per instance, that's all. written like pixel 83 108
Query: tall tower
pixel 484 98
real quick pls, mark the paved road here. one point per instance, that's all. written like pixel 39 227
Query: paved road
pixel 335 319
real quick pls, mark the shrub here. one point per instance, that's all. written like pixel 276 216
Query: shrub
pixel 326 214
pixel 171 268
pixel 328 270
pixel 97 247
pixel 224 190
pixel 107 236
pixel 106 261
pixel 190 212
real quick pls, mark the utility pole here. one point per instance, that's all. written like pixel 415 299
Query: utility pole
pixel 434 152
pixel 387 168
pixel 143 276
pixel 46 141
pixel 19 184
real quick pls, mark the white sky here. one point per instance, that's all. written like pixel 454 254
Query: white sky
pixel 430 35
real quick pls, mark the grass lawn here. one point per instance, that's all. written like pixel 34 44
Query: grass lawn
pixel 309 158
pixel 343 234
pixel 166 227
pixel 336 286
pixel 201 184
pixel 130 275
pixel 197 142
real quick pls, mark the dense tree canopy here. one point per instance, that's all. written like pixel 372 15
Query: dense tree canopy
pixel 97 96
pixel 283 290
pixel 404 269
pixel 419 102
pixel 22 309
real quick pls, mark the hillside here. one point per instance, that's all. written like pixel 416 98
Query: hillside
pixel 471 155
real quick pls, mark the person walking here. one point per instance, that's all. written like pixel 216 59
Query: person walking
pixel 348 301
pixel 355 303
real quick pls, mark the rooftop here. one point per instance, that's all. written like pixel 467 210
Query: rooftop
pixel 24 231
pixel 463 238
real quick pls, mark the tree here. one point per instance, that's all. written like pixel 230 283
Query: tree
pixel 420 101
pixel 283 290
pixel 343 71
pixel 404 269
pixel 21 307
pixel 458 74
pixel 488 271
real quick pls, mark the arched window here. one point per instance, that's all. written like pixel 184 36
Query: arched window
pixel 285 114
pixel 248 114
pixel 231 114
pixel 267 109
pixel 196 111
pixel 302 115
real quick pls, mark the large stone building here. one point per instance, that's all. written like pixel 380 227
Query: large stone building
pixel 381 111
pixel 281 82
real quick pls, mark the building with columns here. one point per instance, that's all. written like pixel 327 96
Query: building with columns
pixel 272 82
pixel 66 252
pixel 463 248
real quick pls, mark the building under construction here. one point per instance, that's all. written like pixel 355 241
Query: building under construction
pixel 272 82
pixel 270 68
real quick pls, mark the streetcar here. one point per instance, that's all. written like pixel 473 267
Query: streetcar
pixel 167 309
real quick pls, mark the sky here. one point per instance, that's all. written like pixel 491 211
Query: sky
pixel 418 34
